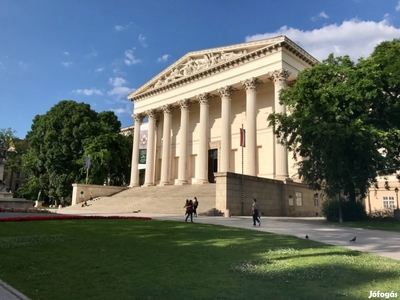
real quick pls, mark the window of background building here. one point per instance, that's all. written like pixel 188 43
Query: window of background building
pixel 316 199
pixel 290 200
pixel 299 201
pixel 388 202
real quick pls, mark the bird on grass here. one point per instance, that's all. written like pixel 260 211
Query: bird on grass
pixel 307 236
pixel 353 239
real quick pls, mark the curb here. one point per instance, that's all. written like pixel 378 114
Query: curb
pixel 13 291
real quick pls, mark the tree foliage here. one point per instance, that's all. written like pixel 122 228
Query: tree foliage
pixel 340 116
pixel 61 139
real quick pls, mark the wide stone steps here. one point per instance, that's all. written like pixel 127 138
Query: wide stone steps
pixel 156 199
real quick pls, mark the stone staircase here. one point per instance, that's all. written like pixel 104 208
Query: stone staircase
pixel 156 199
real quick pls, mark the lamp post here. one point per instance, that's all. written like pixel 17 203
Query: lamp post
pixel 396 212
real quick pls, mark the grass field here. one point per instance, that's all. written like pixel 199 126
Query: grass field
pixel 140 259
pixel 373 224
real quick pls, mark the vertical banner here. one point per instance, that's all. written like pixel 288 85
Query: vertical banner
pixel 87 165
pixel 143 145
pixel 242 137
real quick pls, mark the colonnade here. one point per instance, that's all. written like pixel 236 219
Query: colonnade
pixel 201 175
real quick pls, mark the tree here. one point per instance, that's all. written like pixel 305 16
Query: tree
pixel 61 139
pixel 331 128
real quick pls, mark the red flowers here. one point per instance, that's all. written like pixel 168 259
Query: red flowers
pixel 67 217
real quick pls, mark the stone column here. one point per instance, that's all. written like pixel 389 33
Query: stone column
pixel 149 178
pixel 250 151
pixel 135 151
pixel 183 142
pixel 202 156
pixel 226 137
pixel 281 157
pixel 166 150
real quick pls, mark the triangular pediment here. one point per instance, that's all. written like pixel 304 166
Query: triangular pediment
pixel 197 62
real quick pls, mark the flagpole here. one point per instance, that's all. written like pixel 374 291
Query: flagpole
pixel 242 183
pixel 87 175
pixel 87 167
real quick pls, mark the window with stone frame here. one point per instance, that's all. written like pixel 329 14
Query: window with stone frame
pixel 388 202
pixel 299 199
pixel 290 200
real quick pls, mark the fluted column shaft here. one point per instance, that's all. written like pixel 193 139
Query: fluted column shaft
pixel 149 178
pixel 135 152
pixel 250 167
pixel 281 158
pixel 202 161
pixel 226 146
pixel 183 142
pixel 166 150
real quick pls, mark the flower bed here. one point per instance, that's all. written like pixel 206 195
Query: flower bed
pixel 66 217
pixel 24 210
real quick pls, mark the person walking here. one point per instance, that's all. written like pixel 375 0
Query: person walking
pixel 195 205
pixel 254 207
pixel 189 211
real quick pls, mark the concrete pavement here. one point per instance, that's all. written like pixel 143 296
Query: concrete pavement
pixel 383 243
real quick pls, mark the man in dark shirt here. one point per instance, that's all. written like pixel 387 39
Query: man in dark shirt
pixel 255 213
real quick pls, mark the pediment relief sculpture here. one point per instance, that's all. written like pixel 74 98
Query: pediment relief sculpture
pixel 197 64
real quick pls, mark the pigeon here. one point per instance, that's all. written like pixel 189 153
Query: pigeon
pixel 307 236
pixel 353 239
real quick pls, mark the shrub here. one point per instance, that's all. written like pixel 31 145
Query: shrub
pixel 382 214
pixel 351 211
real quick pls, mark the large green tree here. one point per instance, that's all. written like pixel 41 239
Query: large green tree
pixel 60 141
pixel 332 125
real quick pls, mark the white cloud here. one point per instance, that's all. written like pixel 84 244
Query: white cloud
pixel 354 38
pixel 66 64
pixel 142 40
pixel 22 65
pixel 321 15
pixel 92 54
pixel 119 89
pixel 99 70
pixel 119 28
pixel 130 58
pixel 398 6
pixel 123 110
pixel 164 58
pixel 88 92
pixel 66 53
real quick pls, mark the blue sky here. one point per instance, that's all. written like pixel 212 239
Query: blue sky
pixel 98 52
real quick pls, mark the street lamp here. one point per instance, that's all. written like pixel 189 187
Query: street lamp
pixel 3 154
pixel 396 190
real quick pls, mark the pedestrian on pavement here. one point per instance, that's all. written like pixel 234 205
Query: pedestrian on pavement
pixel 189 211
pixel 254 207
pixel 185 206
pixel 195 205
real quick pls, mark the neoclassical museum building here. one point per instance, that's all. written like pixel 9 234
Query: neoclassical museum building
pixel 195 110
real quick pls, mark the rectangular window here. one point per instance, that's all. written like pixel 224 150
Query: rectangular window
pixel 299 201
pixel 316 200
pixel 388 202
pixel 290 200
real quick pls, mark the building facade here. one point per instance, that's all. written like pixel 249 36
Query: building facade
pixel 197 106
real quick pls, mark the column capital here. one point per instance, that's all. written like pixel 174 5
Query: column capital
pixel 204 98
pixel 279 75
pixel 251 84
pixel 151 113
pixel 226 91
pixel 138 118
pixel 167 109
pixel 184 104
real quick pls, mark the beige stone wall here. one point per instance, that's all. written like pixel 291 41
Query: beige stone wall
pixel 272 196
pixel 96 190
pixel 375 200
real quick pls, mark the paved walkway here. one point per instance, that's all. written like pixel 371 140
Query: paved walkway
pixel 383 243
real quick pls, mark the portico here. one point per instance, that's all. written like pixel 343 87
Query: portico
pixel 196 107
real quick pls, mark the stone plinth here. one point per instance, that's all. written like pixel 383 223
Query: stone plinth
pixel 397 214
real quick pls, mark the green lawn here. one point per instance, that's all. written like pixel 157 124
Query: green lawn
pixel 139 259
pixel 373 224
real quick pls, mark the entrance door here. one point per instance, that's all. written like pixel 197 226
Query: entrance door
pixel 212 164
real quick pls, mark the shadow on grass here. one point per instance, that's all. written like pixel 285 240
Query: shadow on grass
pixel 138 259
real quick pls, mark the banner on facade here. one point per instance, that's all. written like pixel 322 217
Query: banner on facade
pixel 242 137
pixel 143 146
